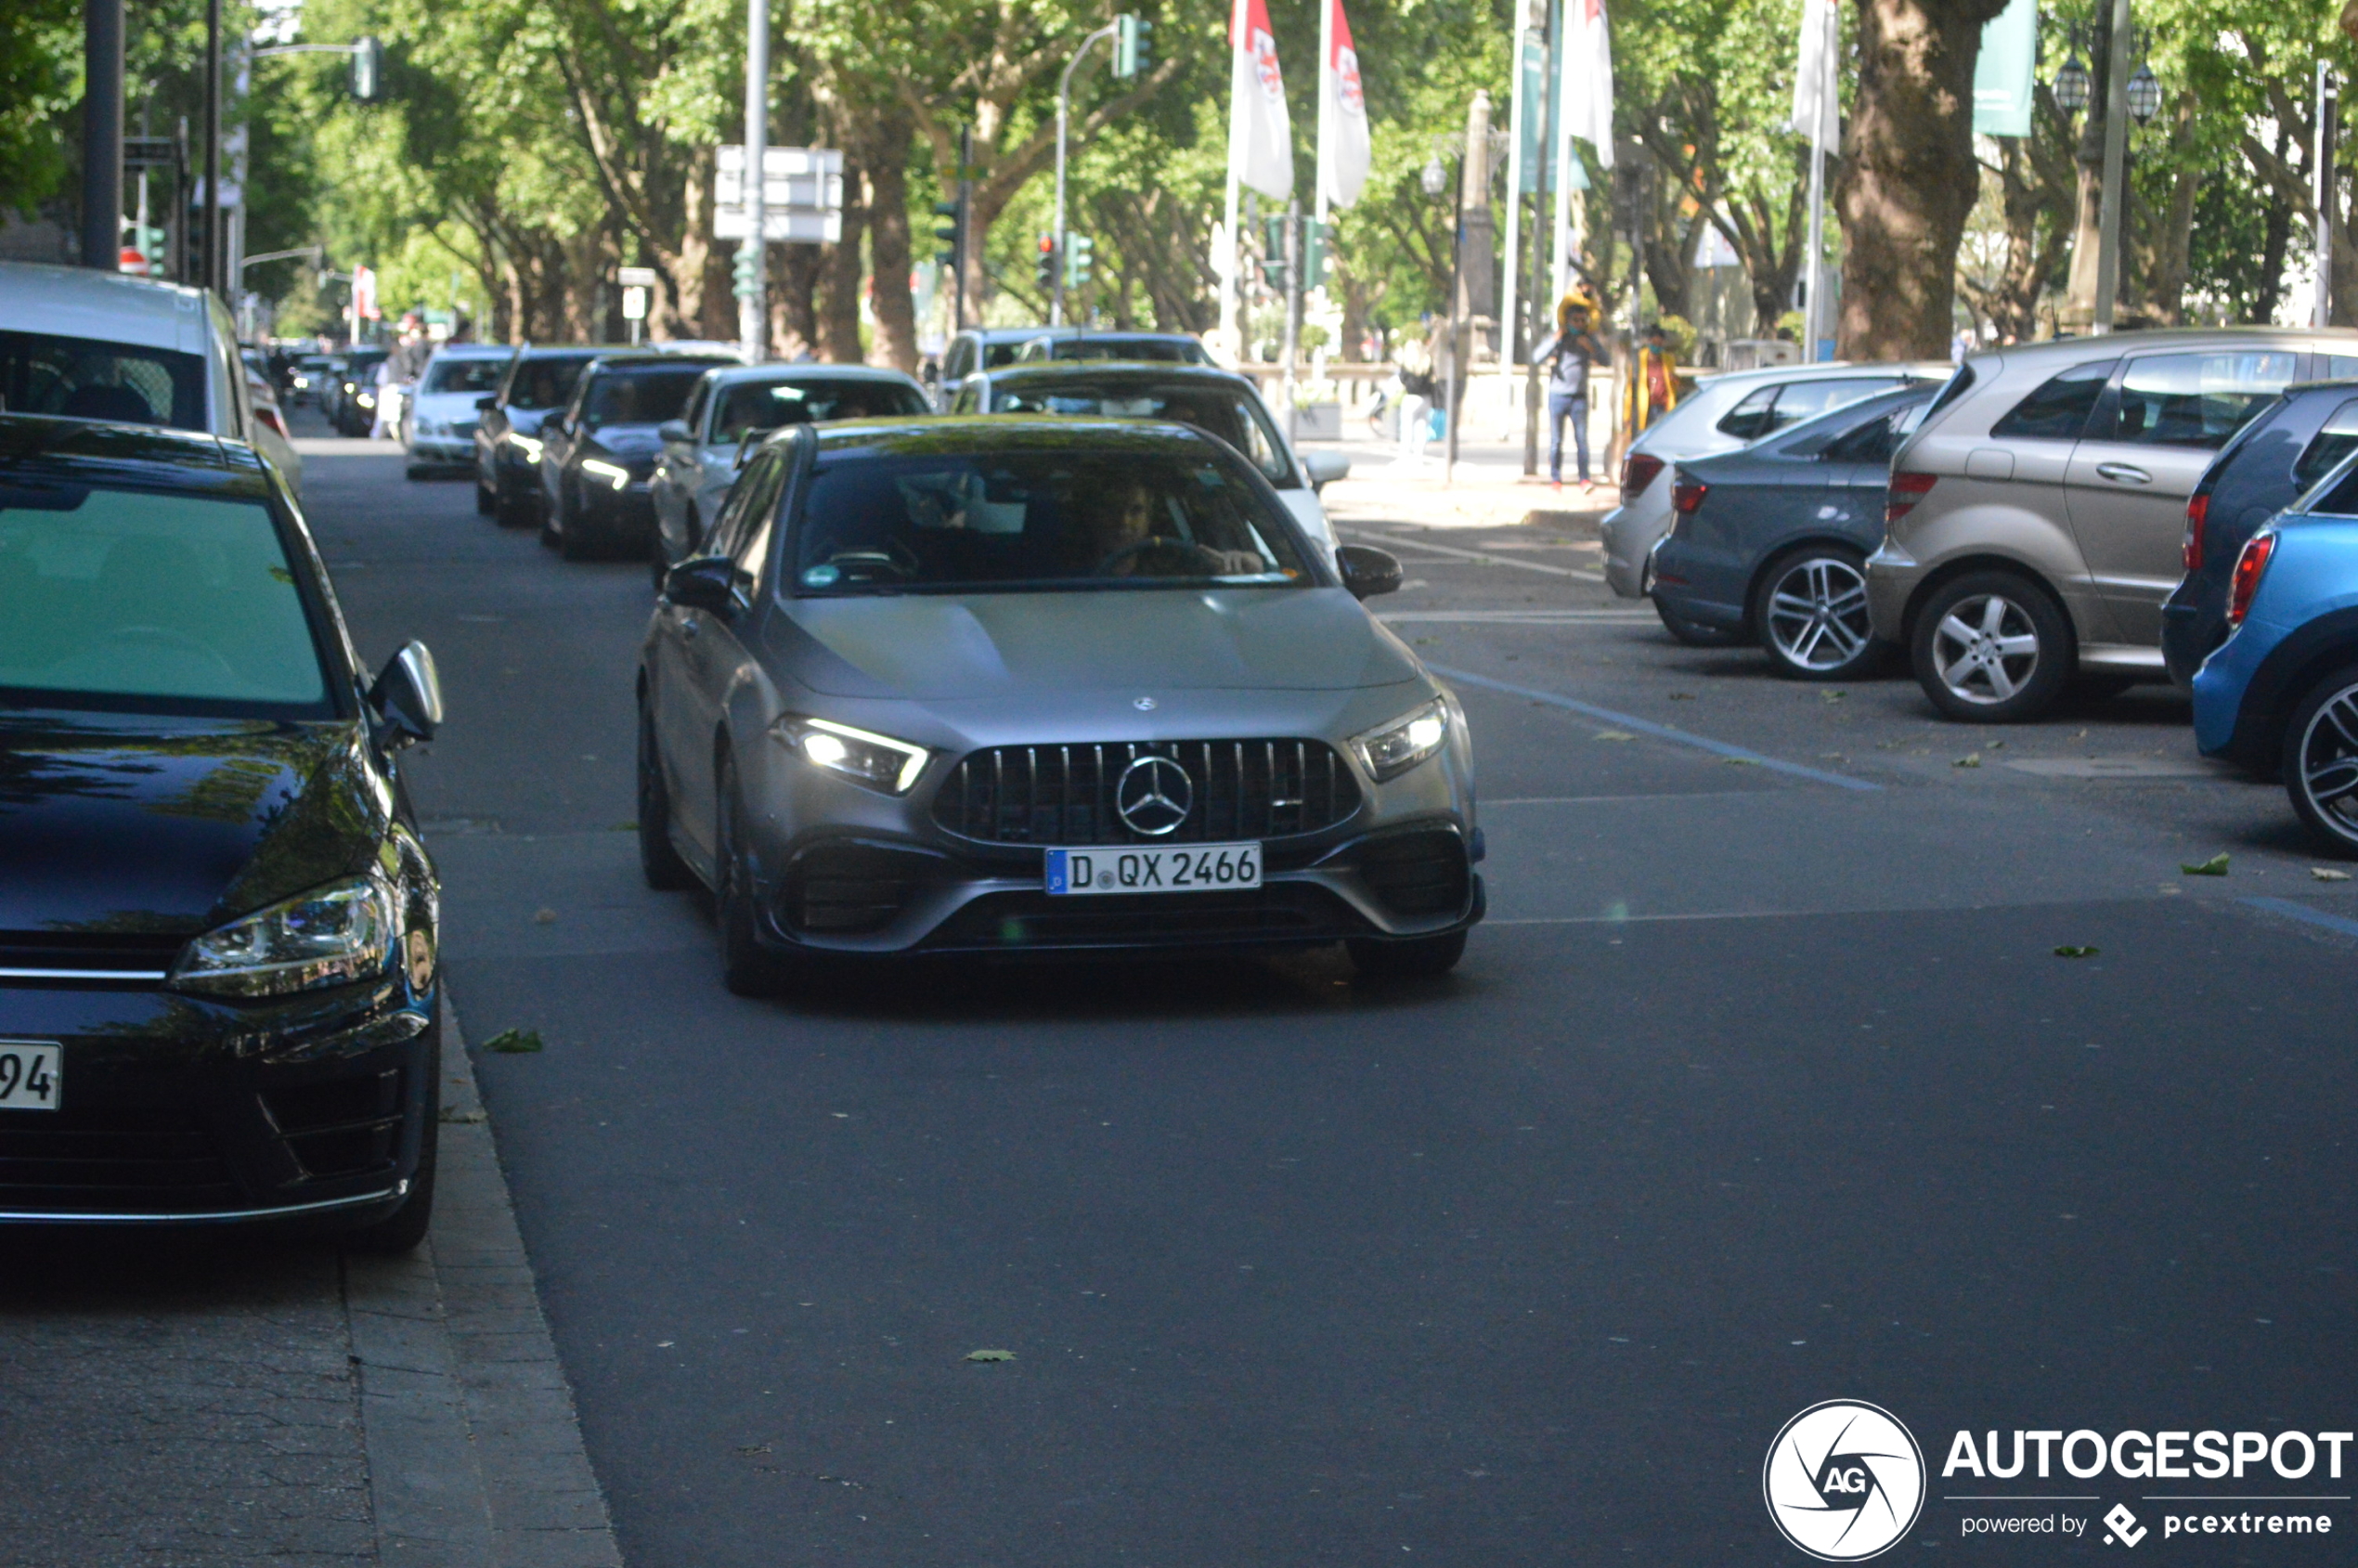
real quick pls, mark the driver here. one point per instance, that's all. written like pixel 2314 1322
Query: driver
pixel 1122 533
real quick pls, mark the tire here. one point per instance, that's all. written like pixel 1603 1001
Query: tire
pixel 550 514
pixel 1991 648
pixel 1421 958
pixel 413 473
pixel 574 542
pixel 747 968
pixel 1694 634
pixel 486 502
pixel 658 862
pixel 657 564
pixel 1809 608
pixel 402 1230
pixel 511 510
pixel 2321 762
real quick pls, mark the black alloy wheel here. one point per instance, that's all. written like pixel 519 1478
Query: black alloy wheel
pixel 574 540
pixel 1991 648
pixel 747 968
pixel 1810 609
pixel 658 862
pixel 2321 762
pixel 1695 633
pixel 552 514
pixel 487 499
pixel 512 506
pixel 1421 958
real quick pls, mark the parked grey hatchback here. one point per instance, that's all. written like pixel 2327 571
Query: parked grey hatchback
pixel 2034 521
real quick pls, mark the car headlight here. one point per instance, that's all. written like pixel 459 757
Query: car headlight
pixel 528 447
pixel 333 935
pixel 612 473
pixel 367 401
pixel 873 761
pixel 1390 750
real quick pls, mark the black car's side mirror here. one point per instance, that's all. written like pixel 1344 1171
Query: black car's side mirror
pixel 485 405
pixel 673 430
pixel 1367 572
pixel 408 697
pixel 706 582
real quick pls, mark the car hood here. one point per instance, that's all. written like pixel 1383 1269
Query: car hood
pixel 624 440
pixel 118 822
pixel 447 404
pixel 937 648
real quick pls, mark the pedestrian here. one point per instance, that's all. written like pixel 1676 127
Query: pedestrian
pixel 1569 359
pixel 1416 399
pixel 1653 382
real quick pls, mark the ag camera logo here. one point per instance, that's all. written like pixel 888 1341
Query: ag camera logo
pixel 1844 1481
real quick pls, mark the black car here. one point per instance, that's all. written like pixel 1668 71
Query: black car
pixel 354 407
pixel 598 454
pixel 2269 464
pixel 219 978
pixel 539 382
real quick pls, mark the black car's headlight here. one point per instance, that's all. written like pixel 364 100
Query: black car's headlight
pixel 612 473
pixel 1391 749
pixel 330 936
pixel 526 447
pixel 873 761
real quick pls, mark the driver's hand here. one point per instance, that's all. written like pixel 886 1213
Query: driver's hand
pixel 1237 563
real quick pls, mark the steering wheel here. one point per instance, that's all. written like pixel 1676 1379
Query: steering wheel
pixel 178 640
pixel 1182 554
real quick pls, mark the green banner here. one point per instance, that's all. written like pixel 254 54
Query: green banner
pixel 2002 77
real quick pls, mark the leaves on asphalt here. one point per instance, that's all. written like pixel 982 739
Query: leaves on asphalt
pixel 1739 761
pixel 515 1042
pixel 991 1355
pixel 544 917
pixel 1832 696
pixel 1614 736
pixel 2323 875
pixel 2076 952
pixel 2215 866
pixel 1970 760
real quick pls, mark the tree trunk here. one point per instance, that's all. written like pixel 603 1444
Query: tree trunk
pixel 1908 179
pixel 2087 228
pixel 794 312
pixel 891 130
pixel 840 270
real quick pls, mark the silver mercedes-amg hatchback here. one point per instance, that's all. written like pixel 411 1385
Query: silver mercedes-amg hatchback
pixel 1015 684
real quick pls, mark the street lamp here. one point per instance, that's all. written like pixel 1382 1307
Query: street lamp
pixel 2144 96
pixel 1435 179
pixel 2071 86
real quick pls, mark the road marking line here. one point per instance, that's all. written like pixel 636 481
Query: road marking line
pixel 2300 911
pixel 1483 557
pixel 1661 731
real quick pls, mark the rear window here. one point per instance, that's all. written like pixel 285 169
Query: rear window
pixel 1167 351
pixel 2197 399
pixel 752 407
pixel 464 375
pixel 2058 409
pixel 2334 441
pixel 636 396
pixel 151 601
pixel 1214 409
pixel 85 379
pixel 1768 410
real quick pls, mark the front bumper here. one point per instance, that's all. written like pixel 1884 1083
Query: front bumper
pixel 176 1109
pixel 452 450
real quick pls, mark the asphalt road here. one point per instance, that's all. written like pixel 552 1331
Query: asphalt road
pixel 1763 1086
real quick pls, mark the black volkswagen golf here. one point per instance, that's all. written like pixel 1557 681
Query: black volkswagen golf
pixel 219 973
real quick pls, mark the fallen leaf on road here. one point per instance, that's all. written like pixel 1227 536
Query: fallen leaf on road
pixel 1832 696
pixel 753 1448
pixel 2322 875
pixel 1739 761
pixel 2076 952
pixel 1970 760
pixel 1682 697
pixel 991 1355
pixel 544 917
pixel 462 1117
pixel 2215 866
pixel 515 1042
pixel 1614 736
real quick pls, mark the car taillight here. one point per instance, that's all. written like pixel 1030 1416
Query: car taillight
pixel 1637 470
pixel 1906 490
pixel 1687 495
pixel 2197 514
pixel 2249 565
pixel 272 418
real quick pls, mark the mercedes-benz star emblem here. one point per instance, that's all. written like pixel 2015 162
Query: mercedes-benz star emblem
pixel 1144 704
pixel 1154 795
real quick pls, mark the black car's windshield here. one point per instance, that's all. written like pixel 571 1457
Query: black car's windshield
pixel 1165 350
pixel 1216 411
pixel 470 374
pixel 641 396
pixel 1036 520
pixel 545 383
pixel 84 379
pixel 750 408
pixel 140 600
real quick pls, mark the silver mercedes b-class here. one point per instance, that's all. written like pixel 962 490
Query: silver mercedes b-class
pixel 1018 684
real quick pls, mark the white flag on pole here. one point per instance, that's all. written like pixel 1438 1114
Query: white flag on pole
pixel 1816 105
pixel 1343 153
pixel 1588 89
pixel 1260 132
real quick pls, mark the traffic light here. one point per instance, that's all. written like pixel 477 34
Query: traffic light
pixel 1314 253
pixel 748 269
pixel 1047 268
pixel 368 70
pixel 1080 259
pixel 1273 254
pixel 1132 44
pixel 953 253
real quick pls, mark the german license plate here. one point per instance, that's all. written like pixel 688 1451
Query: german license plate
pixel 1176 868
pixel 29 1071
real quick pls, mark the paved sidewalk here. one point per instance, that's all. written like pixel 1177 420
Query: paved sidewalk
pixel 202 1399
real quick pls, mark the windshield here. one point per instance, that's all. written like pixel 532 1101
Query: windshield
pixel 545 383
pixel 641 396
pixel 1027 520
pixel 84 379
pixel 470 374
pixel 1216 411
pixel 750 408
pixel 169 603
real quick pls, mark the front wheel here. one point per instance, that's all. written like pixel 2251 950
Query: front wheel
pixel 486 502
pixel 747 968
pixel 1810 608
pixel 661 864
pixel 2321 762
pixel 1991 648
pixel 1419 959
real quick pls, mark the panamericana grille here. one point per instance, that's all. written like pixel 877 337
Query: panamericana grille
pixel 152 1161
pixel 1065 794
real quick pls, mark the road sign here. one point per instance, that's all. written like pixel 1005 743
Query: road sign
pixel 781 226
pixel 801 195
pixel 636 277
pixel 634 303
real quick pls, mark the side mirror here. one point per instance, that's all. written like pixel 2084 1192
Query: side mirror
pixel 1325 468
pixel 706 582
pixel 673 430
pixel 1367 572
pixel 408 697
pixel 485 405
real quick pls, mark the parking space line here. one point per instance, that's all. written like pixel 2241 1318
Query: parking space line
pixel 1522 617
pixel 1484 557
pixel 2300 911
pixel 1660 732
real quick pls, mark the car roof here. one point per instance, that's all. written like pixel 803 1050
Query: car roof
pixel 784 371
pixel 474 350
pixel 1761 373
pixel 82 302
pixel 1117 369
pixel 638 360
pixel 2109 345
pixel 139 456
pixel 963 433
pixel 1019 334
pixel 574 350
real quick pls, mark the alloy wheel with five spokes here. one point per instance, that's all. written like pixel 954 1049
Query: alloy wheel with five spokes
pixel 1991 648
